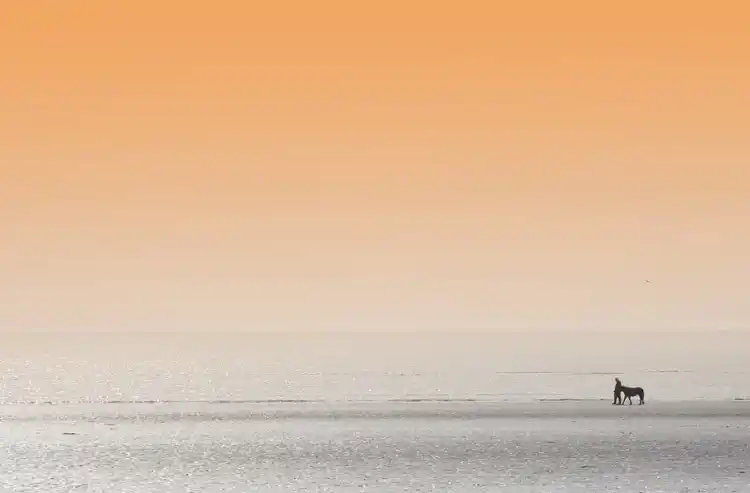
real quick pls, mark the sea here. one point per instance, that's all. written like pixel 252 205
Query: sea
pixel 375 412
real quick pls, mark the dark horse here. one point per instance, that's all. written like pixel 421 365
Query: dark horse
pixel 628 392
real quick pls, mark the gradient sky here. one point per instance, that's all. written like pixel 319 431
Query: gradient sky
pixel 382 166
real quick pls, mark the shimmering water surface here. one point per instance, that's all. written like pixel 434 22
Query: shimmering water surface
pixel 333 413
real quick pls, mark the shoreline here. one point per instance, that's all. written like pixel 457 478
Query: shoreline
pixel 401 409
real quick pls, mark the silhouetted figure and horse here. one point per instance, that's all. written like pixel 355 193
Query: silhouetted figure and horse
pixel 627 392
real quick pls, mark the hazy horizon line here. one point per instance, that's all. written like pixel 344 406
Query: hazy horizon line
pixel 381 331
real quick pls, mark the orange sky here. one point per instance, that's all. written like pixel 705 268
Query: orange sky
pixel 397 166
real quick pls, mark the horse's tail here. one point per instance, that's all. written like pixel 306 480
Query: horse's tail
pixel 641 394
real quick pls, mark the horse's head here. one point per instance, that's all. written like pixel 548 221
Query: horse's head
pixel 618 382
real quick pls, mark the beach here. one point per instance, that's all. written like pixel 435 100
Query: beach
pixel 381 447
pixel 463 413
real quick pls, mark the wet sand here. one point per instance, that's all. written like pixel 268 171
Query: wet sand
pixel 382 447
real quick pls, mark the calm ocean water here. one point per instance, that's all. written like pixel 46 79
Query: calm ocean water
pixel 507 367
pixel 384 413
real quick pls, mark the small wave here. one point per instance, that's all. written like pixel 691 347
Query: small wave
pixel 557 373
pixel 529 373
pixel 165 402
pixel 432 399
pixel 570 399
pixel 589 373
pixel 245 401
pixel 581 373
pixel 668 371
